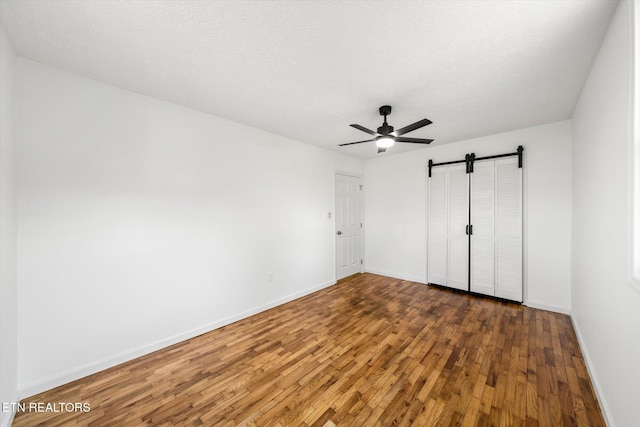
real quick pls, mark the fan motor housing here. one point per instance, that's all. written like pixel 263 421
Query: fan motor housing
pixel 385 129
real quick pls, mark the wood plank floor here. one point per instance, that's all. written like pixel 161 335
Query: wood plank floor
pixel 370 351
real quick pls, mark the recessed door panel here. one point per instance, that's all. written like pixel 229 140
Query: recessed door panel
pixel 508 229
pixel 483 221
pixel 458 219
pixel 437 228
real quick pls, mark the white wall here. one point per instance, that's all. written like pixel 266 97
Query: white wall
pixel 141 222
pixel 8 290
pixel 395 209
pixel 606 309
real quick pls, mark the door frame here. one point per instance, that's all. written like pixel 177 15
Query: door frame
pixel 335 224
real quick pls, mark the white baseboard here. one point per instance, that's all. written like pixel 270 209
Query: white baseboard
pixel 109 362
pixel 8 419
pixel 396 276
pixel 606 412
pixel 542 306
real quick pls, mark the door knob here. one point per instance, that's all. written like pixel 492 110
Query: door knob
pixel 339 232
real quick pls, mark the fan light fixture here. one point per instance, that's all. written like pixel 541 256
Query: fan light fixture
pixel 384 142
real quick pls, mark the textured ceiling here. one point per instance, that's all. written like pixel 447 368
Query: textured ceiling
pixel 306 70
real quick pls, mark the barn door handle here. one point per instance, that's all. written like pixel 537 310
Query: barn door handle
pixel 339 232
pixel 467 230
pixel 471 229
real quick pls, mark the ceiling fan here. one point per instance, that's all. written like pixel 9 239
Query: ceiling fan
pixel 385 137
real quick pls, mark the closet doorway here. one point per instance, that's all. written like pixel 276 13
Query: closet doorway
pixel 475 225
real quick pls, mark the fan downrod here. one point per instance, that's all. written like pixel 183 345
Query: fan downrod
pixel 385 129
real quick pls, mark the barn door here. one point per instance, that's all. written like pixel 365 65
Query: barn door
pixel 496 228
pixel 448 244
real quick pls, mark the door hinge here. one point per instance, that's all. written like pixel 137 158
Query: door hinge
pixel 360 261
pixel 360 225
pixel 360 187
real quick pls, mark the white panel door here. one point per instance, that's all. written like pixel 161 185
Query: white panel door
pixel 348 226
pixel 458 219
pixel 508 181
pixel 483 231
pixel 437 227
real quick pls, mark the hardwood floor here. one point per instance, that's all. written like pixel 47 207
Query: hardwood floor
pixel 369 351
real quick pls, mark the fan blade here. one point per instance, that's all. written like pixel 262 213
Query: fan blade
pixel 357 142
pixel 414 140
pixel 381 150
pixel 416 125
pixel 364 129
